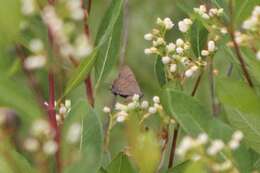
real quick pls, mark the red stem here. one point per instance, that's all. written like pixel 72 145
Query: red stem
pixel 173 149
pixel 88 82
pixel 52 117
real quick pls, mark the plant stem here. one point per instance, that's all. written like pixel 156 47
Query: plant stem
pixel 88 81
pixel 177 128
pixel 236 47
pixel 52 117
pixel 173 148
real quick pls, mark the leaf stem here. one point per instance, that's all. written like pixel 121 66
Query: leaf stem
pixel 174 142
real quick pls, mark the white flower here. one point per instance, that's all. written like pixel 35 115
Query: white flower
pixel 31 144
pixel 147 51
pixel 194 68
pixel 35 62
pixel 233 144
pixel 131 106
pixel 202 138
pixel 179 50
pixel 62 109
pixel 189 73
pixel 168 23
pixel 40 127
pixel 248 24
pixel 224 30
pixel 28 7
pixel 205 16
pixel 82 46
pixel 204 53
pixel 173 68
pixel 158 42
pixel 156 99
pixel 106 109
pixel 74 132
pixel 166 60
pixel 159 21
pixel 211 46
pixel 148 36
pixel 256 11
pixel 75 9
pixel 184 146
pixel 50 147
pixel 170 47
pixel 136 97
pixel 67 103
pixel 258 55
pixel 152 110
pixel 203 8
pixel 144 104
pixel 183 27
pixel 36 45
pixel 179 42
pixel 238 136
pixel 121 116
pixel 120 107
pixel 216 146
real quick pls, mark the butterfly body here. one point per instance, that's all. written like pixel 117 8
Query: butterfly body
pixel 126 84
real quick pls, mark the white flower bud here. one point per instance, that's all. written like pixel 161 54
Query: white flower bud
pixel 67 103
pixel 238 135
pixel 187 21
pixel 166 60
pixel 233 144
pixel 144 104
pixel 204 53
pixel 31 144
pixel 205 16
pixel 189 73
pixel 120 107
pixel 50 147
pixel 34 62
pixel 179 50
pixel 40 127
pixel 203 8
pixel 184 146
pixel 202 138
pixel 106 109
pixel 159 21
pixel 217 145
pixel 211 46
pixel 223 30
pixel 258 55
pixel 148 37
pixel 173 68
pixel 183 27
pixel 36 45
pixel 170 47
pixel 179 42
pixel 147 51
pixel 152 110
pixel 74 133
pixel 121 116
pixel 131 106
pixel 136 97
pixel 156 99
pixel 194 68
pixel 168 23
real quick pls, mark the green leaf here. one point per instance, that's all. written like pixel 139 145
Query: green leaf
pixel 160 72
pixel 242 106
pixel 91 144
pixel 180 168
pixel 81 72
pixel 199 36
pixel 109 53
pixel 243 10
pixel 10 17
pixel 195 119
pixel 121 164
pixel 13 95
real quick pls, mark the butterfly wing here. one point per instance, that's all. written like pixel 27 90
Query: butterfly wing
pixel 126 85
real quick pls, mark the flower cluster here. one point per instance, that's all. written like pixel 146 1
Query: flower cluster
pixel 253 22
pixel 208 13
pixel 42 138
pixel 122 111
pixel 63 109
pixel 67 44
pixel 176 56
pixel 203 149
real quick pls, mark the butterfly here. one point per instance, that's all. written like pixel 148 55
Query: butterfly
pixel 126 84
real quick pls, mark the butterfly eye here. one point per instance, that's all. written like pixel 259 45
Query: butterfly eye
pixel 126 84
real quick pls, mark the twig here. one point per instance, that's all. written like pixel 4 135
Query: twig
pixel 237 49
pixel 176 130
pixel 174 142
